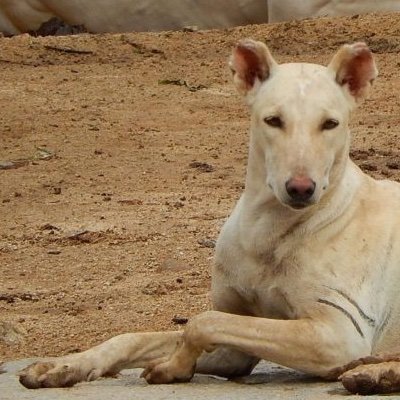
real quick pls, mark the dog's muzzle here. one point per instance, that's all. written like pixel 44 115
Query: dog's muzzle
pixel 300 191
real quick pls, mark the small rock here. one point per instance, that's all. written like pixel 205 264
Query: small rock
pixel 178 204
pixel 359 154
pixel 202 166
pixel 49 227
pixel 393 164
pixel 74 350
pixel 55 252
pixel 131 202
pixel 85 236
pixel 366 166
pixel 13 164
pixel 56 190
pixel 210 243
pixel 180 320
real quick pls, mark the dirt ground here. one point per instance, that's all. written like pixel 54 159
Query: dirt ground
pixel 120 158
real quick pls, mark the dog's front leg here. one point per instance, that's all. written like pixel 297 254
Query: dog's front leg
pixel 313 346
pixel 130 350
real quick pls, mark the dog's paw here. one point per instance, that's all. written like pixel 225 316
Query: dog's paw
pixel 167 372
pixel 373 378
pixel 335 373
pixel 54 373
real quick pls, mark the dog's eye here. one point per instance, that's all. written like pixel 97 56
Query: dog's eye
pixel 330 124
pixel 275 122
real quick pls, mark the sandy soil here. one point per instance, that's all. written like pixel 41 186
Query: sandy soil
pixel 125 155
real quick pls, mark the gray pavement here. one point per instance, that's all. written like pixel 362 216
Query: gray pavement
pixel 267 382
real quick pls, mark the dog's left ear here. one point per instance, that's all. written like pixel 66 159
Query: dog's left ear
pixel 251 64
pixel 354 68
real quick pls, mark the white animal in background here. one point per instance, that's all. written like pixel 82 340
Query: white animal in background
pixel 284 10
pixel 18 16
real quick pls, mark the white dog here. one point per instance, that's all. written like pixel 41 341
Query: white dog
pixel 307 266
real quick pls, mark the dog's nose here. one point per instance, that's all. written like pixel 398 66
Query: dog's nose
pixel 300 188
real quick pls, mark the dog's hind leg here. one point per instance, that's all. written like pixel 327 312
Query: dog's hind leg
pixel 226 362
pixel 373 378
pixel 372 375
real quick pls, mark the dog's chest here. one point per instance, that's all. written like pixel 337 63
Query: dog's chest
pixel 283 284
pixel 270 292
pixel 268 302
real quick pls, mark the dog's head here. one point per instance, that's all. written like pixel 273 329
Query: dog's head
pixel 300 115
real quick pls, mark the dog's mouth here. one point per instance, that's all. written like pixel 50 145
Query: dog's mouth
pixel 299 205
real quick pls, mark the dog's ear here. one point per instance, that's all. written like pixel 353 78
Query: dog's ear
pixel 251 64
pixel 354 68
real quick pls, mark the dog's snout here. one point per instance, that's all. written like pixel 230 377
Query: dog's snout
pixel 300 189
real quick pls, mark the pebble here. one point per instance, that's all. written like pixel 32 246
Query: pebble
pixel 180 320
pixel 210 243
pixel 55 252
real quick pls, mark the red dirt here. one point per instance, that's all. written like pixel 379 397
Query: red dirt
pixel 146 147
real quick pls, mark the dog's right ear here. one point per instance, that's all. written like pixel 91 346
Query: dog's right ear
pixel 251 64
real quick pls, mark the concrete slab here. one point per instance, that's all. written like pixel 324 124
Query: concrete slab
pixel 267 382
